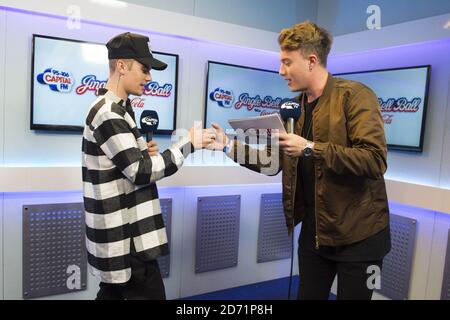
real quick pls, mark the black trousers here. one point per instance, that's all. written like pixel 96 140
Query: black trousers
pixel 317 274
pixel 145 283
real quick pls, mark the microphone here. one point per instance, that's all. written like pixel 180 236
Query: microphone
pixel 290 112
pixel 149 123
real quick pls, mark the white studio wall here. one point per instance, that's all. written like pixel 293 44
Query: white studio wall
pixel 347 16
pixel 260 14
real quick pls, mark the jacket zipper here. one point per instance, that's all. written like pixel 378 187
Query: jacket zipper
pixel 294 184
pixel 315 193
pixel 294 189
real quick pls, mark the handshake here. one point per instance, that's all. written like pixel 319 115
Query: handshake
pixel 213 138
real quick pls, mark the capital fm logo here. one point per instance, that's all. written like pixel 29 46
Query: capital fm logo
pixel 150 121
pixel 223 97
pixel 59 81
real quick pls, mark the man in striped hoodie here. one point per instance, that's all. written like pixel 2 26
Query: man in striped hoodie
pixel 125 232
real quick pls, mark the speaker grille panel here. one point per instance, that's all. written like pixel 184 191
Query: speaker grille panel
pixel 397 265
pixel 217 232
pixel 54 250
pixel 274 242
pixel 164 261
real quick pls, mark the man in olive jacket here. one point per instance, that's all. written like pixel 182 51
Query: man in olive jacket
pixel 333 166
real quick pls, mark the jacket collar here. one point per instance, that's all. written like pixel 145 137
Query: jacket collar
pixel 328 86
pixel 326 91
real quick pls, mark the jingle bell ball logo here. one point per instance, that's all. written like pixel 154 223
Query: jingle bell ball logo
pixel 223 97
pixel 393 106
pixel 59 81
pixel 90 83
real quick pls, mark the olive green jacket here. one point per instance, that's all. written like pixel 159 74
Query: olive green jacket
pixel 349 158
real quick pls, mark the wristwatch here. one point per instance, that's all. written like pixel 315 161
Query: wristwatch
pixel 308 149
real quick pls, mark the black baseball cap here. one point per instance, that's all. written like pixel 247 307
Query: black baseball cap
pixel 133 46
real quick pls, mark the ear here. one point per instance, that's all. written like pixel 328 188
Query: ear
pixel 121 67
pixel 313 60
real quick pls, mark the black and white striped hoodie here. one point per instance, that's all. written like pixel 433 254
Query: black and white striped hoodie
pixel 120 195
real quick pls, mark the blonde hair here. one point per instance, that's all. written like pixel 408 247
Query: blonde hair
pixel 113 64
pixel 308 38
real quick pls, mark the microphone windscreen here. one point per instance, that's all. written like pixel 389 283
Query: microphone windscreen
pixel 149 121
pixel 290 109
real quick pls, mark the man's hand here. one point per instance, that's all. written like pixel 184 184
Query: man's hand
pixel 201 138
pixel 291 144
pixel 221 138
pixel 152 148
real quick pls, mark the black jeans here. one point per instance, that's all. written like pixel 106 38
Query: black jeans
pixel 317 274
pixel 145 283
